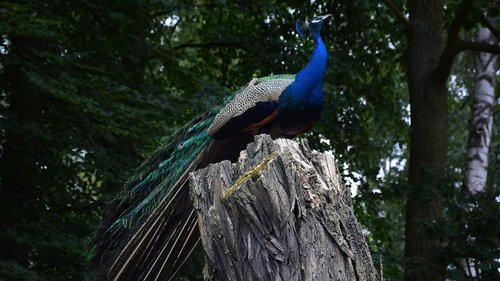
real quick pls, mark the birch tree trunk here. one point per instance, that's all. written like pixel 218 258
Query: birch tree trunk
pixel 280 213
pixel 481 120
pixel 483 104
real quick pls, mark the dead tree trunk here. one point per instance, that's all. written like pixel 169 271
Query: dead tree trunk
pixel 280 213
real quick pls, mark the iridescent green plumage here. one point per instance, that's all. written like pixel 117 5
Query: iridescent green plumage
pixel 182 148
pixel 156 190
pixel 151 227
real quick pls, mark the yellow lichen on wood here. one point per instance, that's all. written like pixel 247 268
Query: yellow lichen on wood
pixel 250 174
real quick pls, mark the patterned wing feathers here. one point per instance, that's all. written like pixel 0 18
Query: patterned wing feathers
pixel 257 91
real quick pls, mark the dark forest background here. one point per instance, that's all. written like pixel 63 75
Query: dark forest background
pixel 89 88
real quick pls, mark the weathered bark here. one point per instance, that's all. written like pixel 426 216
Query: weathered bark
pixel 483 103
pixel 287 216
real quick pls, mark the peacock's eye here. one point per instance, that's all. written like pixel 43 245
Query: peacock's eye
pixel 316 20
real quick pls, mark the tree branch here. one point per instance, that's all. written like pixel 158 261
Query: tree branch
pixel 478 47
pixel 451 48
pixel 209 45
pixel 212 44
pixel 486 22
pixel 397 12
pixel 216 44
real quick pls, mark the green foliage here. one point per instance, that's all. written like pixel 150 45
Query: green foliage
pixel 89 87
pixel 77 117
pixel 471 231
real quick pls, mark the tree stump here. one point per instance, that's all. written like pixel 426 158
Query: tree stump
pixel 280 213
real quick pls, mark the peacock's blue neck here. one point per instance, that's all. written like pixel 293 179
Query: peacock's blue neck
pixel 306 93
pixel 313 72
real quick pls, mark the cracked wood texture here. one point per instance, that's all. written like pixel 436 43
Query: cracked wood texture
pixel 289 219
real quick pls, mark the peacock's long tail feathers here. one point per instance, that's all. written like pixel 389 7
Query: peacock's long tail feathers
pixel 150 228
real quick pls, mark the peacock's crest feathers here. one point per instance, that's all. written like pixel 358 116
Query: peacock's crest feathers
pixel 301 27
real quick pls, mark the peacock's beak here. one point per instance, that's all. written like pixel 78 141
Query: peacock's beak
pixel 325 17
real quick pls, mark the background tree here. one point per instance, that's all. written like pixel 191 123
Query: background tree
pixel 481 120
pixel 88 88
pixel 480 128
pixel 430 59
pixel 77 116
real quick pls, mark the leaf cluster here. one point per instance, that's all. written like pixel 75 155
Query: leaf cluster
pixel 88 89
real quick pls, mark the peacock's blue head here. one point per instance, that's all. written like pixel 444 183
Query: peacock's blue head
pixel 315 25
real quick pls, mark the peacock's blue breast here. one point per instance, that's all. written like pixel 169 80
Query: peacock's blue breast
pixel 301 99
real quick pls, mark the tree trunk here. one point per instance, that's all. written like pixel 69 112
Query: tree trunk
pixel 483 103
pixel 287 216
pixel 481 121
pixel 428 139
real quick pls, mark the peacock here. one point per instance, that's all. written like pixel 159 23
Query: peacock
pixel 150 228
